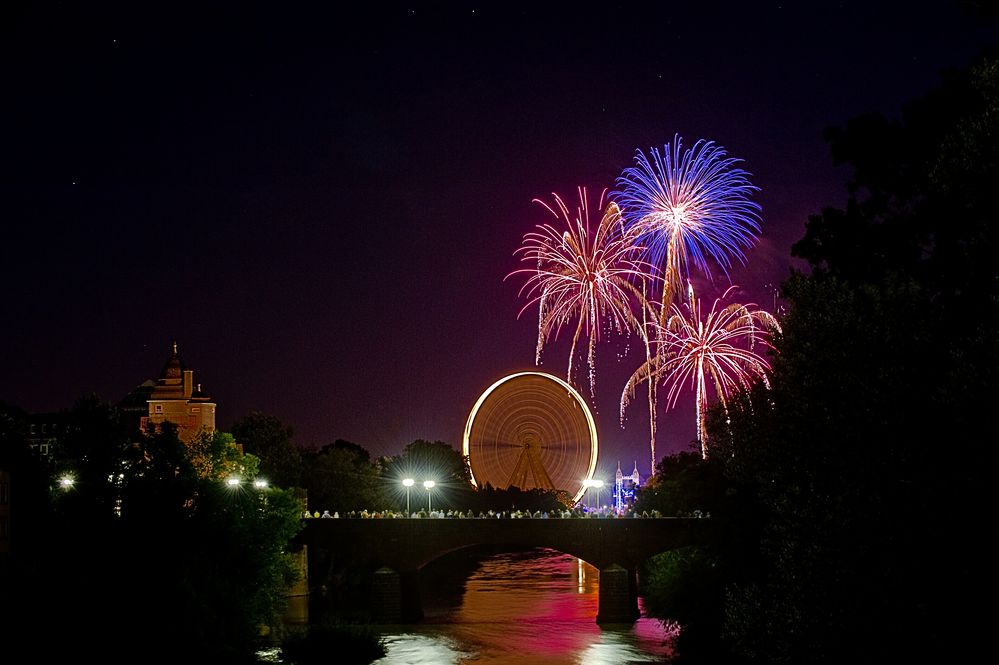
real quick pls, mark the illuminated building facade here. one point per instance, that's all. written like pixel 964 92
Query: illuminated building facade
pixel 624 488
pixel 172 397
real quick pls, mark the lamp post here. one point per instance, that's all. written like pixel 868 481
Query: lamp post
pixel 588 483
pixel 598 484
pixel 429 484
pixel 407 483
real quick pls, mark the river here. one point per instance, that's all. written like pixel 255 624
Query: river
pixel 524 608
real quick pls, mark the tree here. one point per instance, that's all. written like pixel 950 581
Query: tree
pixel 683 483
pixel 687 587
pixel 92 448
pixel 270 441
pixel 431 460
pixel 215 455
pixel 536 499
pixel 29 496
pixel 340 478
pixel 868 454
pixel 195 566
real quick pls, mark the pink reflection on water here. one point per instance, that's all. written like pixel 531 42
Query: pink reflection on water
pixel 541 607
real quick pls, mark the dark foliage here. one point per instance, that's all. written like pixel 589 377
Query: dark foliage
pixel 142 560
pixel 270 440
pixel 426 460
pixel 867 455
pixel 341 643
pixel 340 478
pixel 684 485
pixel 855 493
pixel 511 499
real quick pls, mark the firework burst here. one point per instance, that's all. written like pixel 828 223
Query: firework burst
pixel 718 349
pixel 582 275
pixel 689 207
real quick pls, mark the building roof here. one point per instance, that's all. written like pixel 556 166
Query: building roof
pixel 174 367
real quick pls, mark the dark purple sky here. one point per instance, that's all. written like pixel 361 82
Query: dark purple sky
pixel 320 206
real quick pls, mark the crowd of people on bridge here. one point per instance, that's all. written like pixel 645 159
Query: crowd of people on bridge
pixel 605 512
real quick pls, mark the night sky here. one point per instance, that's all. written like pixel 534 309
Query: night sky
pixel 320 206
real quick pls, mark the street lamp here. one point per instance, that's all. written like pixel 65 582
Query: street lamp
pixel 429 484
pixel 407 483
pixel 232 482
pixel 598 484
pixel 66 482
pixel 587 484
pixel 260 484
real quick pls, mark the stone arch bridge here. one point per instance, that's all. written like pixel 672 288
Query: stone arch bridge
pixel 399 548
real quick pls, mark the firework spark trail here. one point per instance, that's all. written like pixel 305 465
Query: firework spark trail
pixel 689 207
pixel 717 349
pixel 584 275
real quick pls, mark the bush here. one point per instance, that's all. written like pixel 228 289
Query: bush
pixel 352 645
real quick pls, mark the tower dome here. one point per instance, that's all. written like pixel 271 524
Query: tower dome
pixel 174 367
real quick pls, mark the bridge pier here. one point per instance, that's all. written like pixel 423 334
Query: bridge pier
pixel 618 600
pixel 633 592
pixel 396 596
pixel 411 604
pixel 386 596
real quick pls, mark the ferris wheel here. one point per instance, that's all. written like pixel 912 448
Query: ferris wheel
pixel 531 430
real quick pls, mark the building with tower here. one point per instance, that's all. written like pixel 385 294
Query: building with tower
pixel 173 397
pixel 624 488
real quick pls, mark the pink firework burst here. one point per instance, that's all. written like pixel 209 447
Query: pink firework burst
pixel 718 349
pixel 582 275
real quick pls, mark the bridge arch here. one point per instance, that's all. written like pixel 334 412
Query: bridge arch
pixel 499 548
pixel 399 548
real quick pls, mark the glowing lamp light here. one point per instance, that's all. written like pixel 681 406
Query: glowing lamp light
pixel 232 482
pixel 258 483
pixel 596 484
pixel 407 483
pixel 429 484
pixel 66 482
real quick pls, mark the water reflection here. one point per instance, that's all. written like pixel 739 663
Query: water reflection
pixel 536 607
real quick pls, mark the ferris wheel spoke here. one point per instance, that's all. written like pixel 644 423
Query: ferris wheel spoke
pixel 505 444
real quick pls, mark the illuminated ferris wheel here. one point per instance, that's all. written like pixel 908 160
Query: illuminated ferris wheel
pixel 531 430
